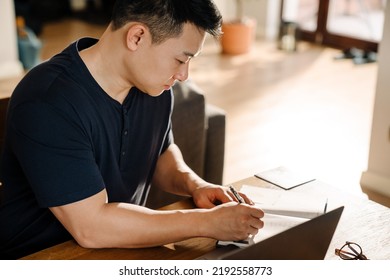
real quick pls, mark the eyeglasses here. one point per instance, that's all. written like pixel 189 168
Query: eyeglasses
pixel 351 251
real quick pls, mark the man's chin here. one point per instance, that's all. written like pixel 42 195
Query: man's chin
pixel 156 93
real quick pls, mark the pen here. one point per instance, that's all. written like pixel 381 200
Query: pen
pixel 236 194
pixel 326 206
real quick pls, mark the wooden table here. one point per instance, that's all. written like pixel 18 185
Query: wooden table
pixel 363 221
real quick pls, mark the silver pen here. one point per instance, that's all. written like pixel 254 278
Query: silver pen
pixel 236 194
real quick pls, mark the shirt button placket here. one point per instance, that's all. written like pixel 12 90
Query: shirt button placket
pixel 125 134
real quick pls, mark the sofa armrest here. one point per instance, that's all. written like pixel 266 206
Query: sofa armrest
pixel 199 131
pixel 188 124
pixel 215 144
pixel 188 127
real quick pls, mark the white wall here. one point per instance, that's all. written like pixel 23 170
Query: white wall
pixel 225 7
pixel 272 19
pixel 9 61
pixel 377 176
pixel 266 13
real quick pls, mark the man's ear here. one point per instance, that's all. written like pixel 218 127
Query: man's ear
pixel 136 34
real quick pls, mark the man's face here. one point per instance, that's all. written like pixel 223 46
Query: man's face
pixel 161 65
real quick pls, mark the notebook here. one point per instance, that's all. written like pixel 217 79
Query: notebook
pixel 307 241
pixel 285 177
pixel 288 203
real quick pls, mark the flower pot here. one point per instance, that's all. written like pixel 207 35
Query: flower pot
pixel 238 36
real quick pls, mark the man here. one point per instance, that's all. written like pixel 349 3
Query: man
pixel 89 130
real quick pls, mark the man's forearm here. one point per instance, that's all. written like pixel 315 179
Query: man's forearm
pixel 122 225
pixel 130 226
pixel 173 174
pixel 94 223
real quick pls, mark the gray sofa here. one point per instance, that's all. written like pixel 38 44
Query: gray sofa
pixel 199 131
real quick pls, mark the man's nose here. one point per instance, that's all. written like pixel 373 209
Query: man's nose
pixel 183 73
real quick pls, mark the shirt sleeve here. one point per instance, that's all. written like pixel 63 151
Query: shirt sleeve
pixel 169 139
pixel 55 154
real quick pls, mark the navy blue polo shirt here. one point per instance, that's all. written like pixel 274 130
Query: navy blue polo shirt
pixel 66 140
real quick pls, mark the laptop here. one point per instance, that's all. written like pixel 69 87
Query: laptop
pixel 307 241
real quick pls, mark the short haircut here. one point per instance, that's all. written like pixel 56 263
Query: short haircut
pixel 165 18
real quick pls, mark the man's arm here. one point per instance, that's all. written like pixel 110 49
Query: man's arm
pixel 173 175
pixel 94 223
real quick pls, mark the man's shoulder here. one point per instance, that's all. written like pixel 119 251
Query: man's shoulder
pixel 55 79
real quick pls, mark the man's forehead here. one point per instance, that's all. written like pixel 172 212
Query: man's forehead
pixel 189 43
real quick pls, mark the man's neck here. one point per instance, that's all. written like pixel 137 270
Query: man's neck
pixel 104 63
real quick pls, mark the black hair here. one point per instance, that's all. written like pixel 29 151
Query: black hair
pixel 165 18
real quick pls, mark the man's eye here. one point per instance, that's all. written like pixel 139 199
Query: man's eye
pixel 180 61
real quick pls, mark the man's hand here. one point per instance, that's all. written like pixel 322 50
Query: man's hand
pixel 227 219
pixel 232 221
pixel 211 195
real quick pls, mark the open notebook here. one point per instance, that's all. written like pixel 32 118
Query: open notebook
pixel 306 241
pixel 287 202
pixel 283 209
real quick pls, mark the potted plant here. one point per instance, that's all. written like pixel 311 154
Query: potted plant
pixel 239 33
